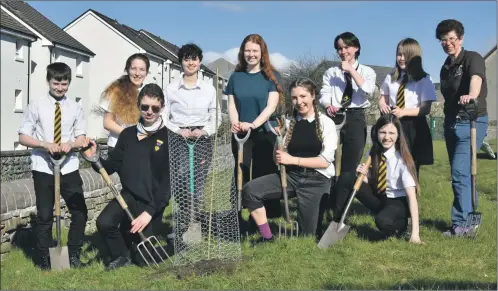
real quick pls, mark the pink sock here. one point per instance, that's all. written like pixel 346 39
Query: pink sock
pixel 264 230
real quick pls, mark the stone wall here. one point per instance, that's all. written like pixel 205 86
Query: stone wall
pixel 17 164
pixel 18 204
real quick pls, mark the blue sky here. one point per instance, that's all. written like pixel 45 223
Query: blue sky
pixel 292 29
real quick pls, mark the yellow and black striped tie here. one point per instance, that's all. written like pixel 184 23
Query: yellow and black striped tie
pixel 400 97
pixel 382 177
pixel 57 124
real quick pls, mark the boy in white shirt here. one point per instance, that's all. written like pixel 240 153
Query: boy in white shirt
pixel 54 125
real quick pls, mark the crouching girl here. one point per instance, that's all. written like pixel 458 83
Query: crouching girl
pixel 310 146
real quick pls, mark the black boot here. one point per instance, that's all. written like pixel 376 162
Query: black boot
pixel 43 261
pixel 74 260
pixel 121 261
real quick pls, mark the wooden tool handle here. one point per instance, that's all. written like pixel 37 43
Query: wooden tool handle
pixel 114 191
pixel 283 172
pixel 360 178
pixel 57 181
pixel 239 170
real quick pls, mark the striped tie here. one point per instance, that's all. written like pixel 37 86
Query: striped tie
pixel 57 124
pixel 400 98
pixel 382 177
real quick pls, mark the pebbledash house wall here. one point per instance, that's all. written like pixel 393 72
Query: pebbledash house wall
pixel 18 201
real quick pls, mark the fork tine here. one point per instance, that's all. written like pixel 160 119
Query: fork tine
pixel 161 247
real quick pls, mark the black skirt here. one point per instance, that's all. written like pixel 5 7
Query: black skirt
pixel 419 139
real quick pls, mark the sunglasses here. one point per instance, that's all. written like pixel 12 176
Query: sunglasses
pixel 145 108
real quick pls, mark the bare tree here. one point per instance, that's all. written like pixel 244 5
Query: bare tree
pixel 306 66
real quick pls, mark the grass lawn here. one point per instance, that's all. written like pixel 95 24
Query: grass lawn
pixel 360 261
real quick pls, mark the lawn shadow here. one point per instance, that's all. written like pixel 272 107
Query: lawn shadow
pixel 419 285
pixel 444 285
pixel 24 238
pixel 437 224
pixel 367 232
pixel 485 156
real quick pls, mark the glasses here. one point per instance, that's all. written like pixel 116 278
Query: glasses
pixel 145 108
pixel 450 40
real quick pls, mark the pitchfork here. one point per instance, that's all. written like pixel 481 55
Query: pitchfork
pixel 147 242
pixel 294 226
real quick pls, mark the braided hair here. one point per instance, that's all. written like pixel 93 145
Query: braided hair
pixel 312 89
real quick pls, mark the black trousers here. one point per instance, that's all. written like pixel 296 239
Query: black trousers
pixel 353 136
pixel 391 214
pixel 72 193
pixel 308 186
pixel 419 140
pixel 180 167
pixel 258 148
pixel 114 227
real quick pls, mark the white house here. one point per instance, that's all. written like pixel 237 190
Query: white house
pixel 30 42
pixel 113 43
pixel 490 59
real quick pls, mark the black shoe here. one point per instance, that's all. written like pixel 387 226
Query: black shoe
pixel 43 262
pixel 263 240
pixel 121 261
pixel 74 260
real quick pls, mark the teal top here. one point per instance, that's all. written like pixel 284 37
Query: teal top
pixel 250 92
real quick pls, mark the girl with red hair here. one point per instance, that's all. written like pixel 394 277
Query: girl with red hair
pixel 254 92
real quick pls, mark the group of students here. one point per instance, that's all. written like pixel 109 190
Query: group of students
pixel 141 119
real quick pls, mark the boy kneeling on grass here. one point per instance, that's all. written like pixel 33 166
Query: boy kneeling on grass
pixel 390 186
pixel 141 159
pixel 54 125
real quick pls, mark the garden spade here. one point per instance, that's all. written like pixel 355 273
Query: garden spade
pixel 240 159
pixel 59 255
pixel 338 230
pixel 474 217
pixel 193 233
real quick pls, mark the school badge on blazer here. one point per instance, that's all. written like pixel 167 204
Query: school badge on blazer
pixel 159 143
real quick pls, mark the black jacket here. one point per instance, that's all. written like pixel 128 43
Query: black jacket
pixel 143 167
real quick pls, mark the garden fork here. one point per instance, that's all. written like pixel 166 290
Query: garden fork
pixel 283 227
pixel 147 242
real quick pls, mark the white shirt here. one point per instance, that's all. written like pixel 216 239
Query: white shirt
pixel 334 84
pixel 191 106
pixel 415 92
pixel 38 122
pixel 112 139
pixel 398 176
pixel 329 144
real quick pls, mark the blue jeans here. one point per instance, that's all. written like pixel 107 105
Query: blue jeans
pixel 457 136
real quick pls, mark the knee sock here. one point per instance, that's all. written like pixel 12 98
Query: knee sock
pixel 264 230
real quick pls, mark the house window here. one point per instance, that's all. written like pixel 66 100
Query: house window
pixel 18 101
pixel 79 67
pixel 19 51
